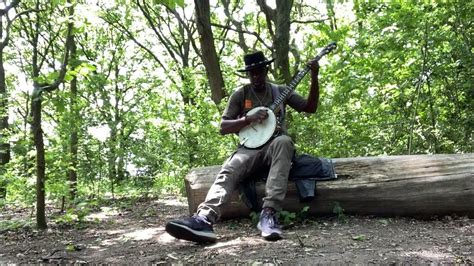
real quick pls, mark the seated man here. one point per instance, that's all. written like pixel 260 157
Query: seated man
pixel 276 154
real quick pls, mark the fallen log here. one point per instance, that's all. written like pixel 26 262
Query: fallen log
pixel 407 185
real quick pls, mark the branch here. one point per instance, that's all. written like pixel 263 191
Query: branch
pixel 309 21
pixel 10 21
pixel 270 15
pixel 123 29
pixel 253 33
pixel 237 24
pixel 186 28
pixel 69 42
pixel 49 47
pixel 5 10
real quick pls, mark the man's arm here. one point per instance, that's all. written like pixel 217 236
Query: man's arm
pixel 235 125
pixel 313 97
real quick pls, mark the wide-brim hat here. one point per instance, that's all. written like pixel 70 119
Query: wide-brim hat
pixel 255 60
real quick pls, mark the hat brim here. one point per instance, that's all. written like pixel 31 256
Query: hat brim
pixel 255 66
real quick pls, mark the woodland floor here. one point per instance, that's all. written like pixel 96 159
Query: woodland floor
pixel 135 234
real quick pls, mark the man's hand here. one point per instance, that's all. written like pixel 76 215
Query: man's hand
pixel 314 66
pixel 257 117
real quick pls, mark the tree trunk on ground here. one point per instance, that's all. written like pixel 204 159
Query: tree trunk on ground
pixel 408 185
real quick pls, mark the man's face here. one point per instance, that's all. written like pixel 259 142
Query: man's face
pixel 258 76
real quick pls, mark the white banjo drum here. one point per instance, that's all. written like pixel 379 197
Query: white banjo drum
pixel 257 134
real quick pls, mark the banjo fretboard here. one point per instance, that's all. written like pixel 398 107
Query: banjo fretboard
pixel 298 77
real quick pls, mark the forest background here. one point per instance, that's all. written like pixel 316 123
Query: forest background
pixel 104 99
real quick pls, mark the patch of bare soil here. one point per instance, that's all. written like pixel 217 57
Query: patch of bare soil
pixel 136 235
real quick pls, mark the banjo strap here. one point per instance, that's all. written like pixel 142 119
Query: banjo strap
pixel 275 95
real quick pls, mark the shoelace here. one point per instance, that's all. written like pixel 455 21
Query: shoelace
pixel 271 220
pixel 201 219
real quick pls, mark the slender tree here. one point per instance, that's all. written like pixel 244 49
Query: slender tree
pixel 73 139
pixel 33 28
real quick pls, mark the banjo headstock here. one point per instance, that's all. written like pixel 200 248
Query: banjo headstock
pixel 326 50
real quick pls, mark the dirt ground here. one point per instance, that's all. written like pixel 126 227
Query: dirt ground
pixel 135 234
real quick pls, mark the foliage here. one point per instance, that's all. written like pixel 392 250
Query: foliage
pixel 397 86
pixel 400 82
pixel 15 224
pixel 339 212
pixel 74 216
pixel 288 218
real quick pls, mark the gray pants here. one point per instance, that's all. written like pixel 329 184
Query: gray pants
pixel 276 154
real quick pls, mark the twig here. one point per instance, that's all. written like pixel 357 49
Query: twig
pixel 300 241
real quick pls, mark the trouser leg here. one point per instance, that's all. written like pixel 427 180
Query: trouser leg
pixel 234 170
pixel 279 154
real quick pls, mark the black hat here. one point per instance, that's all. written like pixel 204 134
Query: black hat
pixel 255 60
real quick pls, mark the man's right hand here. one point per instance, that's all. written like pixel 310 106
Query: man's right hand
pixel 257 117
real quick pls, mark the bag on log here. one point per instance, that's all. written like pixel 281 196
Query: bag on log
pixel 306 170
pixel 305 166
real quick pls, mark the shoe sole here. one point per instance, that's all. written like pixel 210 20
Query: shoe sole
pixel 183 232
pixel 274 236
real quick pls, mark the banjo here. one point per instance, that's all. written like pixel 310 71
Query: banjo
pixel 255 135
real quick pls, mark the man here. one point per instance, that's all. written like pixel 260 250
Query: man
pixel 276 154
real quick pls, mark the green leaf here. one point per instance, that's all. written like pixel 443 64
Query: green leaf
pixel 70 247
pixel 359 237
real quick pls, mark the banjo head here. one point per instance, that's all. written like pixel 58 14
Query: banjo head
pixel 257 134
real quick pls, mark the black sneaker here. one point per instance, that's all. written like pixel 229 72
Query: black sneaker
pixel 269 226
pixel 195 228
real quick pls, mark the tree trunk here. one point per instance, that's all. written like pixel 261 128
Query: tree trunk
pixel 4 143
pixel 36 109
pixel 37 132
pixel 73 141
pixel 280 36
pixel 331 14
pixel 282 39
pixel 208 50
pixel 407 185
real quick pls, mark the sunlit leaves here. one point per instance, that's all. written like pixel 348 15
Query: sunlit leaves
pixel 168 3
pixel 399 82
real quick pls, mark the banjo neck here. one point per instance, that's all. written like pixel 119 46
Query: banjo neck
pixel 296 80
pixel 298 77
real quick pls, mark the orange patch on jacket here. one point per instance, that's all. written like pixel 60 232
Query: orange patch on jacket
pixel 248 104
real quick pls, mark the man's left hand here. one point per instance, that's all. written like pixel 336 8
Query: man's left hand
pixel 314 65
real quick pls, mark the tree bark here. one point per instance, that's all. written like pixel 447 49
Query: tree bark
pixel 4 126
pixel 208 50
pixel 4 143
pixel 282 39
pixel 36 110
pixel 407 185
pixel 281 35
pixel 73 141
pixel 37 132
